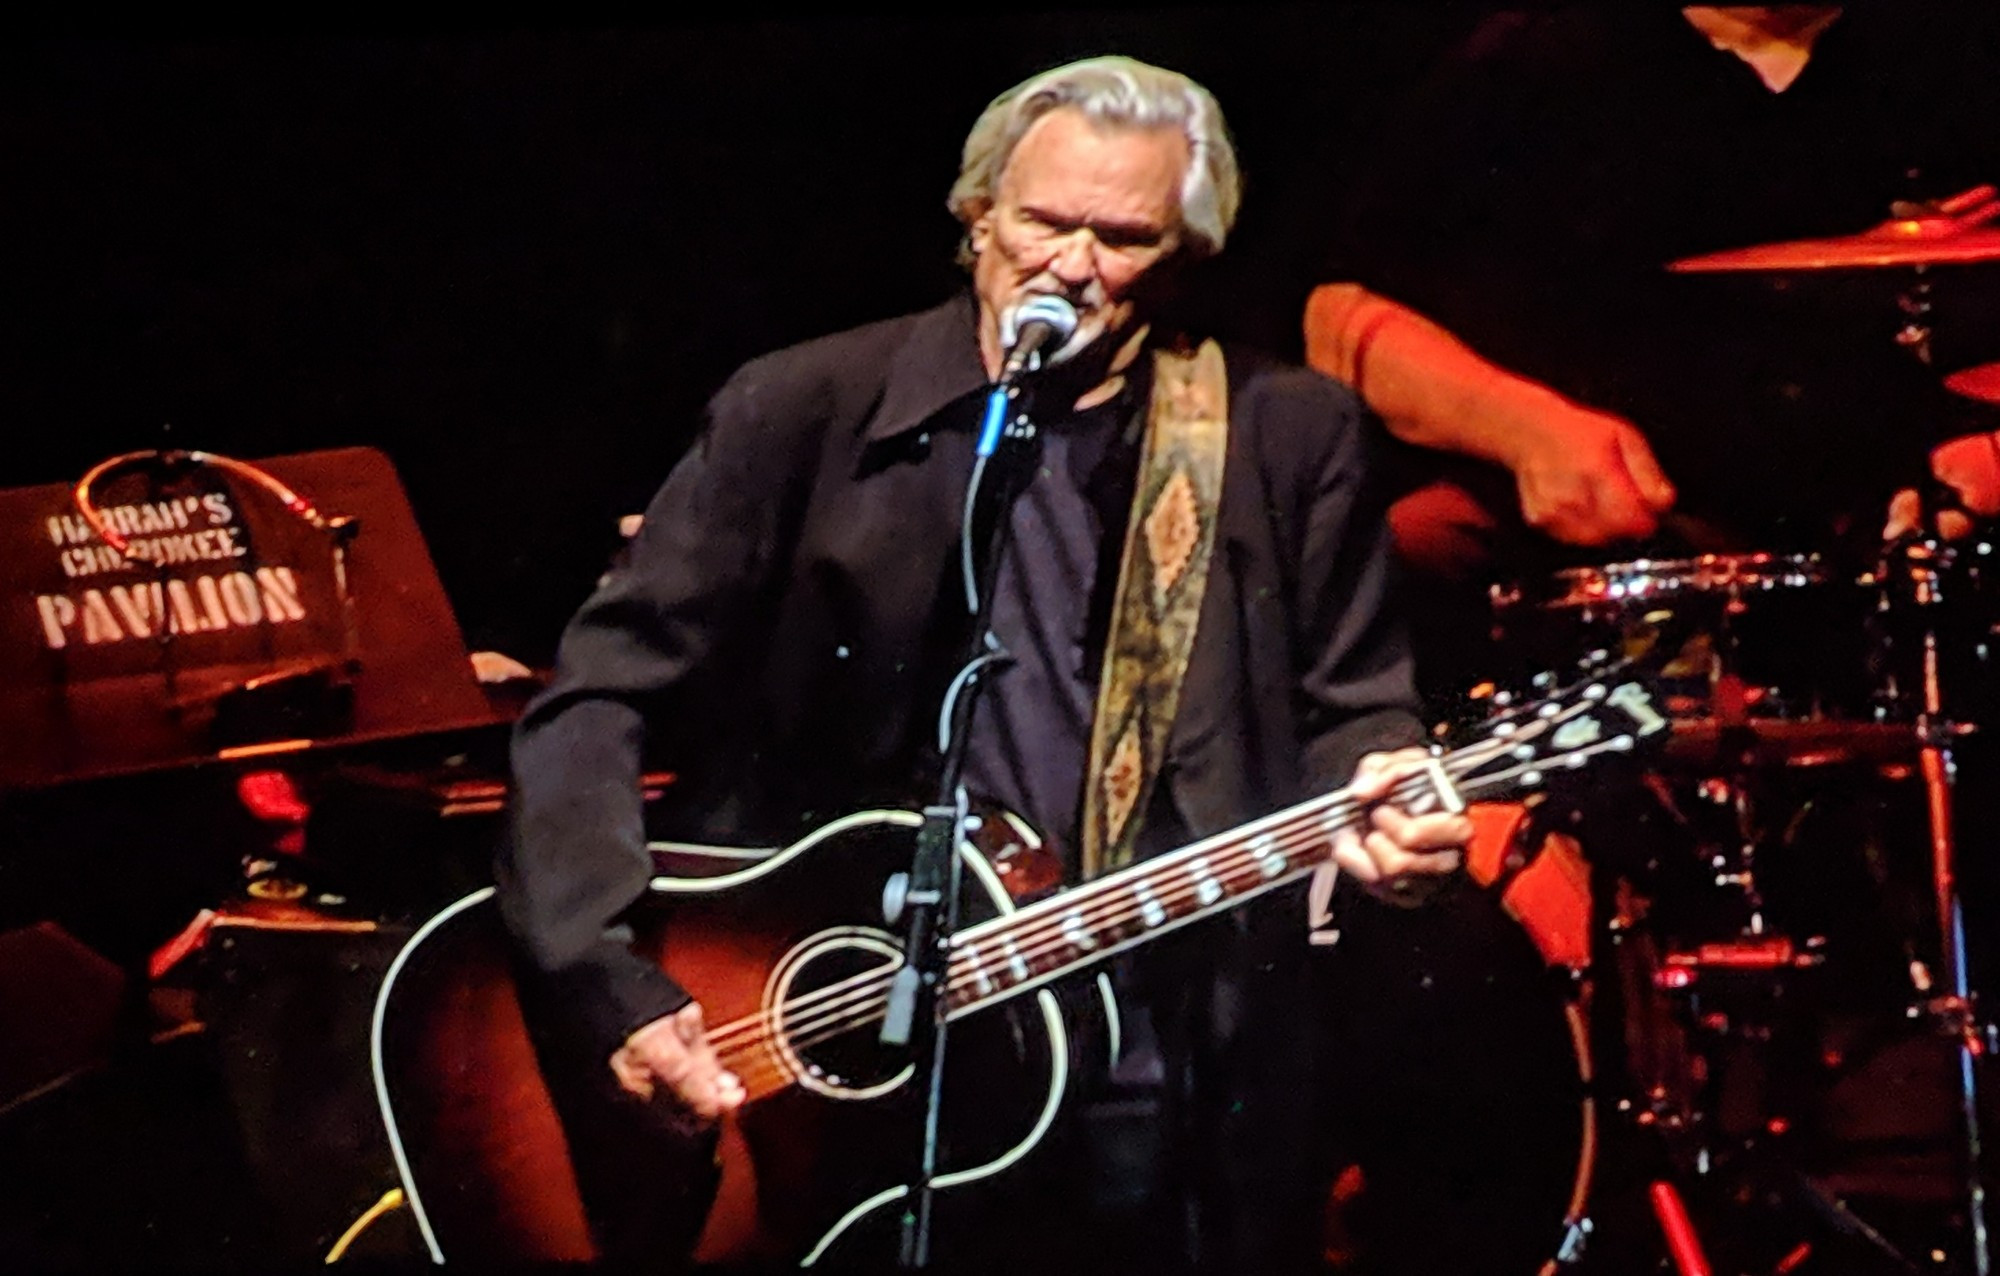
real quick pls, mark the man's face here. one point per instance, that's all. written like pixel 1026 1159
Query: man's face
pixel 1083 212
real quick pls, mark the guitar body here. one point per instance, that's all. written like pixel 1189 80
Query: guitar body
pixel 814 1165
pixel 785 951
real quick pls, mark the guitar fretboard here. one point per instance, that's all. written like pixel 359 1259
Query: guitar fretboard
pixel 1048 939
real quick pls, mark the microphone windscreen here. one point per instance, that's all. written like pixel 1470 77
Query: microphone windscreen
pixel 1058 315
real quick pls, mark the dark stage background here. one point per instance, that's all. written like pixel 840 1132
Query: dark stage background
pixel 519 260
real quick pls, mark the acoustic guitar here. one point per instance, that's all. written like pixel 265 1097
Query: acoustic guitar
pixel 786 951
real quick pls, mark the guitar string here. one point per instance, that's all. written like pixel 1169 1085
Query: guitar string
pixel 1115 910
pixel 834 1009
pixel 864 1000
pixel 1100 894
pixel 1305 830
pixel 1062 911
pixel 870 1007
pixel 1058 912
pixel 772 1070
pixel 777 1076
pixel 1091 903
pixel 1332 805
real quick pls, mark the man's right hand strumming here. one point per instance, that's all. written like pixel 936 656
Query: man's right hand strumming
pixel 674 1052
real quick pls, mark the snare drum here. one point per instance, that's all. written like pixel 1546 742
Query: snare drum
pixel 1730 636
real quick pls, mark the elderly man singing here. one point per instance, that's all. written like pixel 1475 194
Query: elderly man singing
pixel 790 619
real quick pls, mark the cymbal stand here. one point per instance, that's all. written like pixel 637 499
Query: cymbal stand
pixel 1920 564
pixel 1914 303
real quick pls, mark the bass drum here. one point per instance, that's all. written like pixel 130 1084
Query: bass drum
pixel 1475 1129
pixel 1784 1081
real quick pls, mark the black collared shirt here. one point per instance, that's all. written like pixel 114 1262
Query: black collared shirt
pixel 790 614
pixel 1030 740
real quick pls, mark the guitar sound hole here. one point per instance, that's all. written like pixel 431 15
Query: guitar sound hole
pixel 830 998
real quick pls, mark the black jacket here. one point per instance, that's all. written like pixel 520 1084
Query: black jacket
pixel 788 619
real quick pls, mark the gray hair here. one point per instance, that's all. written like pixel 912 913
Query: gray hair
pixel 1118 91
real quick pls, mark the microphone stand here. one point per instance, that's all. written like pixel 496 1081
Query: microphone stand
pixel 926 900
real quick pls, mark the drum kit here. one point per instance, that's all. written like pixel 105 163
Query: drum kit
pixel 1781 984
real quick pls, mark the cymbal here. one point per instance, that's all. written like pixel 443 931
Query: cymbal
pixel 1699 743
pixel 1911 241
pixel 1982 382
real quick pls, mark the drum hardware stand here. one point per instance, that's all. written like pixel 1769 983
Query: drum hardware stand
pixel 1831 1211
pixel 1652 1122
pixel 1954 1014
pixel 1752 1160
pixel 1915 305
pixel 1680 1124
pixel 1735 793
pixel 1683 1243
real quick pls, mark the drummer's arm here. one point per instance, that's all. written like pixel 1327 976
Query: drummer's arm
pixel 1584 477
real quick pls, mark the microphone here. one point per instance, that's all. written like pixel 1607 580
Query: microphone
pixel 1025 330
pixel 1040 321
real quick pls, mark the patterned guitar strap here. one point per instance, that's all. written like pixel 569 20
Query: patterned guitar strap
pixel 1161 579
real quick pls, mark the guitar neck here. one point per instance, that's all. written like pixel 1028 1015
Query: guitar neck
pixel 1008 955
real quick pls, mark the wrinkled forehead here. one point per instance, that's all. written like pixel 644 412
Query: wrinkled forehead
pixel 1108 153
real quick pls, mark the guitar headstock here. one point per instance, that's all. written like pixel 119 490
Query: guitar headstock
pixel 1609 711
